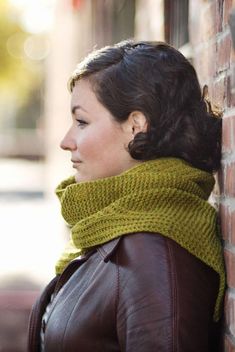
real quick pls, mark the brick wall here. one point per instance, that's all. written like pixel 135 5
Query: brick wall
pixel 214 61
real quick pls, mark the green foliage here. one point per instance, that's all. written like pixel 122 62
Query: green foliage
pixel 18 75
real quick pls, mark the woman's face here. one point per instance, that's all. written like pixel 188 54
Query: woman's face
pixel 98 143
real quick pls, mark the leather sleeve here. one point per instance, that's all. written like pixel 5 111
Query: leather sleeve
pixel 165 297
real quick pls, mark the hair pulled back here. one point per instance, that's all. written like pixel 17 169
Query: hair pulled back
pixel 156 79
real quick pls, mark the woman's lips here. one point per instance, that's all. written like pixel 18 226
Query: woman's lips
pixel 75 163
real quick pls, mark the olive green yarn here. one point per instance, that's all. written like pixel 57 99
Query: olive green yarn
pixel 166 196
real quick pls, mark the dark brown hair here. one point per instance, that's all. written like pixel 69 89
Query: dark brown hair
pixel 156 79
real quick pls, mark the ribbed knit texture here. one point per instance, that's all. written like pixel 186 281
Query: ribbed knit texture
pixel 166 196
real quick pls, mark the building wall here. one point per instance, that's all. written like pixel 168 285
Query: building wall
pixel 213 59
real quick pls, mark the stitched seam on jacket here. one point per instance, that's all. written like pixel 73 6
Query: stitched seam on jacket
pixel 174 299
pixel 82 289
pixel 102 252
pixel 117 293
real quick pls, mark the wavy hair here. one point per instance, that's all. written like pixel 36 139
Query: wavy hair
pixel 156 79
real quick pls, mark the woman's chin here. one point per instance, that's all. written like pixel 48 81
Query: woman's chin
pixel 81 178
pixel 78 177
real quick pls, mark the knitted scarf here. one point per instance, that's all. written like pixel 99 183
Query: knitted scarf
pixel 166 196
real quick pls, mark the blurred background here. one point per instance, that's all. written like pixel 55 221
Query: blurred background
pixel 40 43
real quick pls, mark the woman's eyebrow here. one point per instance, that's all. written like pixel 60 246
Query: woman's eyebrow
pixel 74 108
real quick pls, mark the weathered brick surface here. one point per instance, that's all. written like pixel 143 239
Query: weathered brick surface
pixel 227 223
pixel 228 344
pixel 231 97
pixel 219 15
pixel 218 92
pixel 223 52
pixel 214 61
pixel 227 5
pixel 230 317
pixel 224 223
pixel 229 185
pixel 231 87
pixel 232 237
pixel 228 134
pixel 230 265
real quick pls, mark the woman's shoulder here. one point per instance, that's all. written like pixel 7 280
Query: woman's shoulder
pixel 151 258
pixel 146 245
pixel 161 282
pixel 153 247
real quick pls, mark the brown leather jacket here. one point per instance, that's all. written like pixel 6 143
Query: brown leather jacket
pixel 138 293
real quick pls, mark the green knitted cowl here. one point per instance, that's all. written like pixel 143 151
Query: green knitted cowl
pixel 166 196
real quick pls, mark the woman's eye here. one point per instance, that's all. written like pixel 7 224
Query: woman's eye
pixel 81 123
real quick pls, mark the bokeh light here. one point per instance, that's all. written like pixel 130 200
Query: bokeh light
pixel 35 16
pixel 36 47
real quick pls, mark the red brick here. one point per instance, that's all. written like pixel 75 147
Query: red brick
pixel 229 185
pixel 232 56
pixel 229 89
pixel 230 267
pixel 205 63
pixel 224 222
pixel 230 313
pixel 219 15
pixel 228 344
pixel 226 12
pixel 211 63
pixel 219 91
pixel 233 132
pixel 224 47
pixel 227 223
pixel 228 135
pixel 232 240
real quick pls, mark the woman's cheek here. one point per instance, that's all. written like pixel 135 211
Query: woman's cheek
pixel 84 141
pixel 90 145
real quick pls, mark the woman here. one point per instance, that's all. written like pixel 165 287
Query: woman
pixel 143 270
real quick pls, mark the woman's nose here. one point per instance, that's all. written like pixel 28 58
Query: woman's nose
pixel 68 142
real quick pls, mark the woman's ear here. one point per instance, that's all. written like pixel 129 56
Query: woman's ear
pixel 138 122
